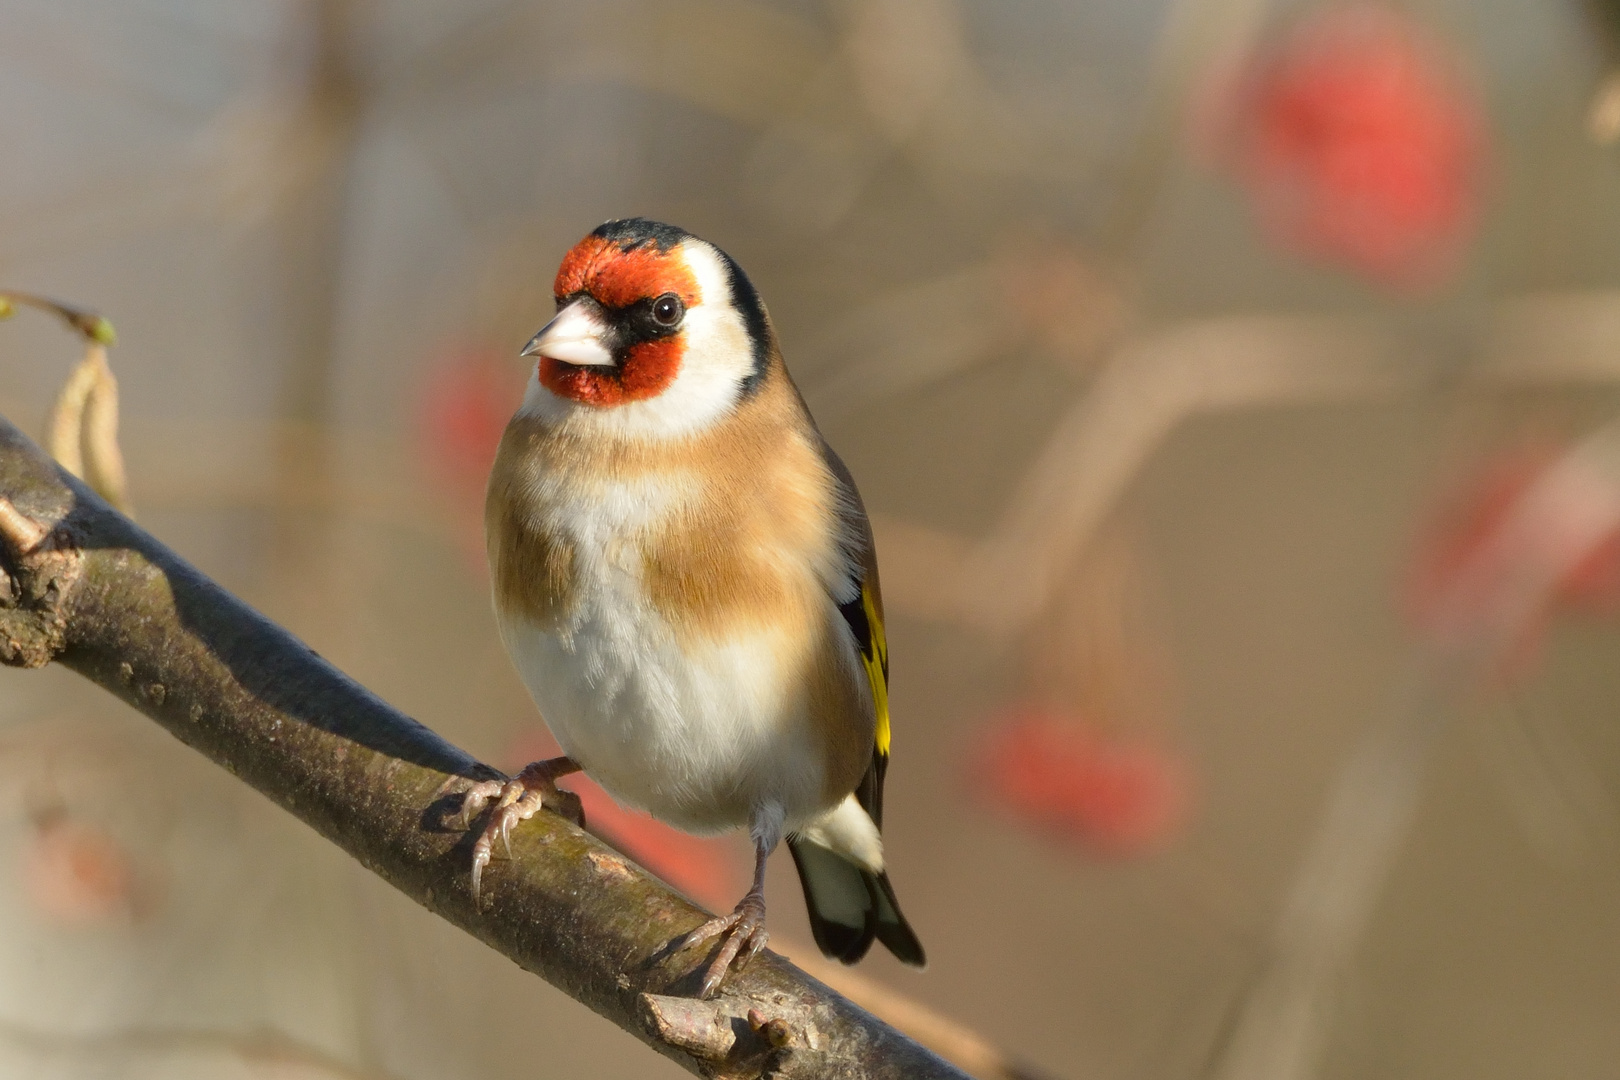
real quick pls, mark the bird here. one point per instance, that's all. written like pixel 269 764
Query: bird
pixel 684 577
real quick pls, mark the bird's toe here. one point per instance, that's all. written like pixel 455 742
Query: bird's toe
pixel 743 933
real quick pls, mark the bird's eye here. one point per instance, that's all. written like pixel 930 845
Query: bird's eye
pixel 668 309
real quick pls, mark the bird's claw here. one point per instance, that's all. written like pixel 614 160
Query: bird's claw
pixel 745 936
pixel 473 799
pixel 515 800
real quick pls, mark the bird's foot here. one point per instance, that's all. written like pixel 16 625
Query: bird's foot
pixel 744 932
pixel 515 800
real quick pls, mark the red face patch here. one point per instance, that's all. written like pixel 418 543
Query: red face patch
pixel 616 278
pixel 647 371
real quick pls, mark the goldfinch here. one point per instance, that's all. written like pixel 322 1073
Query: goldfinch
pixel 684 577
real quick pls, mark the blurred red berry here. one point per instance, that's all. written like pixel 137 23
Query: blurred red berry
pixel 1360 144
pixel 1466 530
pixel 705 868
pixel 466 400
pixel 77 875
pixel 711 870
pixel 1527 520
pixel 1116 795
pixel 1594 585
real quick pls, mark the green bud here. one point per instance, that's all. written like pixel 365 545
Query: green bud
pixel 7 308
pixel 102 330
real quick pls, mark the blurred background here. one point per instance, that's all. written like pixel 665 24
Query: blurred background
pixel 1232 384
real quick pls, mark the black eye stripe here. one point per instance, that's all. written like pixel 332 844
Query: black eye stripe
pixel 633 324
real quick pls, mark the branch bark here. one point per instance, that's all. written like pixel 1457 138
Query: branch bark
pixel 86 587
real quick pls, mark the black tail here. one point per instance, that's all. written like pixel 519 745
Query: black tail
pixel 849 907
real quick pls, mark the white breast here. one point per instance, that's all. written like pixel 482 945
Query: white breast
pixel 697 734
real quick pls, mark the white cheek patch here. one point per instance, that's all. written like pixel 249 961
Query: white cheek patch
pixel 717 359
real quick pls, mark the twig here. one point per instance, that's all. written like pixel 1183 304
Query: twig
pixel 82 428
pixel 132 616
pixel 22 534
pixel 92 326
pixel 939 1033
pixel 64 425
pixel 103 461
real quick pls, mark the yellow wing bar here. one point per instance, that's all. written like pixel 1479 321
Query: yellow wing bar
pixel 877 668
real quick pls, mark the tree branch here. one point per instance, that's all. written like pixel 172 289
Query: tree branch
pixel 88 588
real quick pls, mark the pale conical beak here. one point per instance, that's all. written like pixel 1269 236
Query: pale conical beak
pixel 574 337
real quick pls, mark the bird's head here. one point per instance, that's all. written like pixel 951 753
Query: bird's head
pixel 657 333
